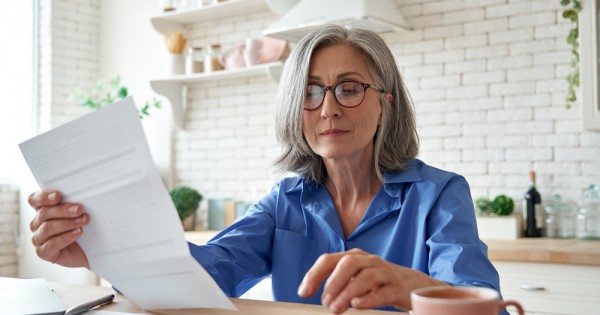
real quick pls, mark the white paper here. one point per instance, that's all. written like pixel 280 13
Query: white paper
pixel 134 239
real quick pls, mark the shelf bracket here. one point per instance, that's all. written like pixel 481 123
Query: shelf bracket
pixel 274 72
pixel 176 93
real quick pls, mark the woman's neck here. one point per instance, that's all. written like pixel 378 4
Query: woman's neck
pixel 352 188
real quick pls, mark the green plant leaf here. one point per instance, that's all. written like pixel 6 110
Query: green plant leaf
pixel 502 205
pixel 571 13
pixel 99 96
pixel 483 206
pixel 123 92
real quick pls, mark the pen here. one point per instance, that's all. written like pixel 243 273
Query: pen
pixel 84 307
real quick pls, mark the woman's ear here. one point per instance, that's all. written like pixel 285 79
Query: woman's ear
pixel 389 98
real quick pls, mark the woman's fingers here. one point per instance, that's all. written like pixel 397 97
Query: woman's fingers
pixel 56 228
pixel 42 198
pixel 63 211
pixel 362 280
pixel 356 276
pixel 51 249
pixel 51 228
pixel 375 298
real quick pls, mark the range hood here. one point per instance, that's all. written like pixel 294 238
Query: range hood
pixel 381 16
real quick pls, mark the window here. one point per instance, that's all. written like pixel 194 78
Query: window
pixel 16 87
pixel 589 31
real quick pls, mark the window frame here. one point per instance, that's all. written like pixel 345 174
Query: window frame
pixel 588 34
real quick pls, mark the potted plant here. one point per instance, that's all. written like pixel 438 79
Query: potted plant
pixel 186 202
pixel 495 218
pixel 100 96
pixel 571 13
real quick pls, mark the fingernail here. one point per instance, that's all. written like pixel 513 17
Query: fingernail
pixel 302 290
pixel 72 209
pixel 76 231
pixel 335 308
pixel 326 299
pixel 52 196
pixel 80 220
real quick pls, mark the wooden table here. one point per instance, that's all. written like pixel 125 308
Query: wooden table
pixel 72 295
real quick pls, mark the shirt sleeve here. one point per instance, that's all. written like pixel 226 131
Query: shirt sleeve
pixel 456 254
pixel 240 256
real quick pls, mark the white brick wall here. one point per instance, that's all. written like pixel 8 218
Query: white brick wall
pixel 9 210
pixel 487 78
pixel 488 82
pixel 68 57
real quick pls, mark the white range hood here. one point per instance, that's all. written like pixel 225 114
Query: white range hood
pixel 381 16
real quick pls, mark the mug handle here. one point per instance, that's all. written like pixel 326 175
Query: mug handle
pixel 516 304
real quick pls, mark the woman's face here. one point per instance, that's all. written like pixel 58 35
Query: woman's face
pixel 333 131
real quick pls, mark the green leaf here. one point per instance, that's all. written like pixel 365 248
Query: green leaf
pixel 100 96
pixel 122 92
pixel 571 12
pixel 482 206
pixel 502 205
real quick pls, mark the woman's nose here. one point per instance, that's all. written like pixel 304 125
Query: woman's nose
pixel 330 106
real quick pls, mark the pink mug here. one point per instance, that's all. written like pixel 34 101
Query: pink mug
pixel 458 301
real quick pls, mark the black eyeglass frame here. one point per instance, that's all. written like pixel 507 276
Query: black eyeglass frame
pixel 333 87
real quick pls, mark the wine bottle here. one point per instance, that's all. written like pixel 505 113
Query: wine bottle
pixel 532 210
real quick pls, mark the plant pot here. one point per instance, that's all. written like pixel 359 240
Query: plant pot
pixel 189 223
pixel 500 227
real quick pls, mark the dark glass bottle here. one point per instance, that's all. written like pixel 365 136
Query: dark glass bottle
pixel 532 202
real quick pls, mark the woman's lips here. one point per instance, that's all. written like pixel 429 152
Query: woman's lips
pixel 332 132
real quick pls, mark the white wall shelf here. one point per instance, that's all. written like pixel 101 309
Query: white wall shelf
pixel 175 21
pixel 174 88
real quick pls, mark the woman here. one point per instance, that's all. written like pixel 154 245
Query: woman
pixel 363 224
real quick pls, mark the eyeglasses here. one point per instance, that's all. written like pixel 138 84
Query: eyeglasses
pixel 348 94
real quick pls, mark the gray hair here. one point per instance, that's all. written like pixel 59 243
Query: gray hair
pixel 396 139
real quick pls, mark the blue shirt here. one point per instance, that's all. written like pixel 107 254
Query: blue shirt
pixel 421 218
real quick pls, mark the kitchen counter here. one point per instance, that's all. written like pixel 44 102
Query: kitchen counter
pixel 541 250
pixel 545 250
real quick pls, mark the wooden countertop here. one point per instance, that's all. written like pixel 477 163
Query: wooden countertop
pixel 544 250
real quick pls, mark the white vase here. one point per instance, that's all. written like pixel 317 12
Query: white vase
pixel 177 64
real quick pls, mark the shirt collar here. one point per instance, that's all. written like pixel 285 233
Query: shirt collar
pixel 411 174
pixel 315 198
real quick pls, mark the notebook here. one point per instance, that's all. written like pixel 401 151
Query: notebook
pixel 28 297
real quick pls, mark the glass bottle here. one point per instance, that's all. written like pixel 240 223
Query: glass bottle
pixel 211 61
pixel 532 210
pixel 588 217
pixel 194 62
pixel 560 218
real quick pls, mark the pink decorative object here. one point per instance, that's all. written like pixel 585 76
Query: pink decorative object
pixel 233 58
pixel 254 52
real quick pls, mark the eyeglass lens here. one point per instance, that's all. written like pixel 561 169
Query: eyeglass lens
pixel 347 94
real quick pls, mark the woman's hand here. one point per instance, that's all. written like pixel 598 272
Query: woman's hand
pixel 56 228
pixel 362 280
